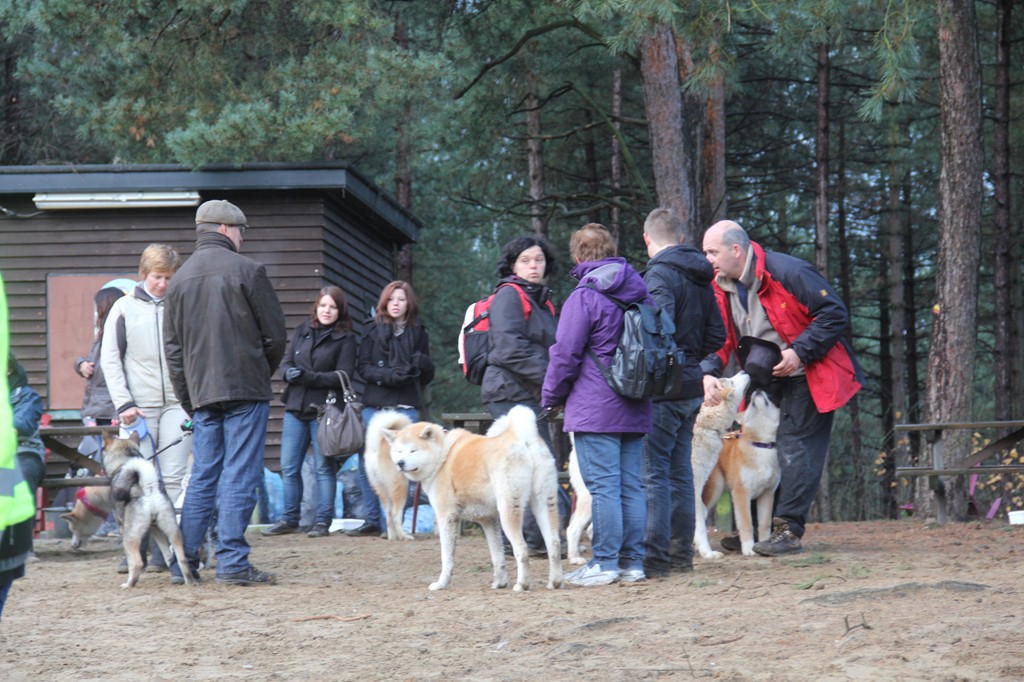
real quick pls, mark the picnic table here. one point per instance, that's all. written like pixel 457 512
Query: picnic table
pixel 57 438
pixel 971 464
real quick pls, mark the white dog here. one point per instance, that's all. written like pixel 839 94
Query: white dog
pixel 387 481
pixel 485 479
pixel 712 424
pixel 582 511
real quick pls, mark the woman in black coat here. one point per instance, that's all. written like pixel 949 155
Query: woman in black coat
pixel 320 347
pixel 394 361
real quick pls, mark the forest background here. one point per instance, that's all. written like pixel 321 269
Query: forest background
pixel 878 139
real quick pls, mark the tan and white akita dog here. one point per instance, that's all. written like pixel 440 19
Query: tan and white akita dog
pixel 485 479
pixel 712 423
pixel 749 466
pixel 387 481
pixel 92 506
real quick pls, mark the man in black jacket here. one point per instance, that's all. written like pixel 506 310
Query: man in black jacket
pixel 224 335
pixel 679 279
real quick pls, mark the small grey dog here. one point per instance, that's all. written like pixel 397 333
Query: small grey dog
pixel 141 505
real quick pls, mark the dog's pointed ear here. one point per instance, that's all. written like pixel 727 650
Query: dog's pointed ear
pixel 107 439
pixel 66 517
pixel 429 432
pixel 389 435
pixel 726 391
pixel 134 437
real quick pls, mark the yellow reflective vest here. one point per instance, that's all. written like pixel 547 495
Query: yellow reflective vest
pixel 16 503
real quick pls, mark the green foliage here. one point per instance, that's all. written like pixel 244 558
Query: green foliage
pixel 203 81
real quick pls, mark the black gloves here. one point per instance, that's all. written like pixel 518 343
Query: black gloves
pixel 293 375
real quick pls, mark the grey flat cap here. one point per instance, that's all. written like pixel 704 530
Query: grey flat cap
pixel 220 212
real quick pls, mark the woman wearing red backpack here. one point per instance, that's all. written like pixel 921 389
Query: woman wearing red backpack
pixel 522 328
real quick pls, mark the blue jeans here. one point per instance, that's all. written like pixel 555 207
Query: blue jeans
pixel 228 463
pixel 371 504
pixel 611 465
pixel 296 437
pixel 668 481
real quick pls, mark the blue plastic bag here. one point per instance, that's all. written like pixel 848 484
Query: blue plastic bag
pixel 424 519
pixel 275 494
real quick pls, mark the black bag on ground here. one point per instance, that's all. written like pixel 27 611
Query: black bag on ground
pixel 647 363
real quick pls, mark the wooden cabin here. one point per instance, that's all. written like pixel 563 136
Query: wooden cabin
pixel 65 231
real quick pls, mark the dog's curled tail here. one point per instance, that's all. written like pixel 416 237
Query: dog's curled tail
pixel 521 421
pixel 383 420
pixel 123 482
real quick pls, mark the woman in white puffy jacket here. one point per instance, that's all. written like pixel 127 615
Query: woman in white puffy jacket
pixel 132 357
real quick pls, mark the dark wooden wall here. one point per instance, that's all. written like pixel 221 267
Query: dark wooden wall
pixel 306 240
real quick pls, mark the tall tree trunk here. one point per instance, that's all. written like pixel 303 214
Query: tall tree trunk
pixel 909 287
pixel 954 319
pixel 821 163
pixel 616 153
pixel 535 160
pixel 893 367
pixel 845 276
pixel 659 67
pixel 1003 242
pixel 712 154
pixel 403 163
pixel 821 221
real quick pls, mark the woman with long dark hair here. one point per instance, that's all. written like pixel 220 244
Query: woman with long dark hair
pixel 320 347
pixel 394 361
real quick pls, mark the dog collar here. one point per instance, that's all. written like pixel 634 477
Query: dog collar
pixel 93 509
pixel 767 446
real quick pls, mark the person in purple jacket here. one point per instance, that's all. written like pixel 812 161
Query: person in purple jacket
pixel 609 429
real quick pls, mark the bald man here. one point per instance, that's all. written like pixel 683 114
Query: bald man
pixel 783 299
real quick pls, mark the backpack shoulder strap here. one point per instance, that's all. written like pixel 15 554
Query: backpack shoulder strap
pixel 524 298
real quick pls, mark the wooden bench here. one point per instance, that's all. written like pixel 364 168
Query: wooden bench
pixel 54 438
pixel 972 464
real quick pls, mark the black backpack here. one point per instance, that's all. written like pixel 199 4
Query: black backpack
pixel 647 363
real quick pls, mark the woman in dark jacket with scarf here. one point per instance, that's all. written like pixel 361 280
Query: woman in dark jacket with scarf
pixel 519 345
pixel 394 361
pixel 320 347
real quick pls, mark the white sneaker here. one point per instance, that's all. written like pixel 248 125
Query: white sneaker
pixel 632 575
pixel 592 576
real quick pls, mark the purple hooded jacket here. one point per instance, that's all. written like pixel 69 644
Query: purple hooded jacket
pixel 590 320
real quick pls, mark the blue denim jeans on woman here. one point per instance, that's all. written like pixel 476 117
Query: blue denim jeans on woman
pixel 668 479
pixel 296 437
pixel 228 448
pixel 611 465
pixel 371 503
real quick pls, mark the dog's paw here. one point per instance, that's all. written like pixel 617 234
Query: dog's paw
pixel 519 587
pixel 554 585
pixel 125 586
pixel 407 536
pixel 713 554
pixel 577 560
pixel 438 585
pixel 749 552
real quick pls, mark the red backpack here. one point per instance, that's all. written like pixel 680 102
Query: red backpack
pixel 474 341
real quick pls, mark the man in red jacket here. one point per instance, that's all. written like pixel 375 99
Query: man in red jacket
pixel 782 299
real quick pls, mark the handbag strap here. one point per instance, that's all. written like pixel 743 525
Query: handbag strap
pixel 346 386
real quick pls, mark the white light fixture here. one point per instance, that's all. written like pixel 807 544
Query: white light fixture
pixel 56 202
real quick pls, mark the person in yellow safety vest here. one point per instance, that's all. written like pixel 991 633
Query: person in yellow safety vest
pixel 17 508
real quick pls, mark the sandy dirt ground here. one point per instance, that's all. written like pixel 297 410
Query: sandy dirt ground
pixel 866 601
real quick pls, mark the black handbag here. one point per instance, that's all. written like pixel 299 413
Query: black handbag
pixel 340 429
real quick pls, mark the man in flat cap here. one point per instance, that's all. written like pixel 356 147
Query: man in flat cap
pixel 224 335
pixel 781 299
